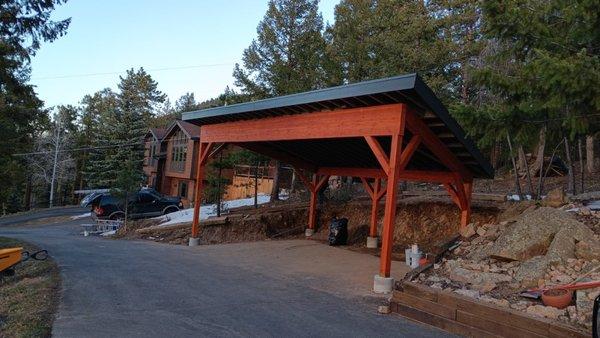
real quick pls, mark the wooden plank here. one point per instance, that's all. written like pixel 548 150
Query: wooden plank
pixel 424 305
pixel 562 331
pixel 353 122
pixel 418 290
pixel 501 329
pixel 492 312
pixel 441 322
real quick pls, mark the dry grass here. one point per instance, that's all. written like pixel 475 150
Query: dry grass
pixel 29 298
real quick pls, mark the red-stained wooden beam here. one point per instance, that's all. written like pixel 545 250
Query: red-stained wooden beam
pixel 379 153
pixel 381 192
pixel 406 175
pixel 353 122
pixel 368 187
pixel 321 183
pixel 203 152
pixel 353 172
pixel 374 207
pixel 452 192
pixel 389 218
pixel 437 147
pixel 408 152
pixel 304 180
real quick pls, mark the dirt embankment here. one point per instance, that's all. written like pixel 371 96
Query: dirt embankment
pixel 418 220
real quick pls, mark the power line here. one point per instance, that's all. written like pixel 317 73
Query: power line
pixel 78 149
pixel 115 73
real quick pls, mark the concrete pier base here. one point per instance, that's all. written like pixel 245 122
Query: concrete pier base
pixel 194 241
pixel 383 284
pixel 309 232
pixel 372 242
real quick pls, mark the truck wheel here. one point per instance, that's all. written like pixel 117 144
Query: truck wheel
pixel 171 209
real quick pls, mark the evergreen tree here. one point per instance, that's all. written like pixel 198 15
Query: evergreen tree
pixel 100 112
pixel 288 53
pixel 186 103
pixel 374 39
pixel 139 94
pixel 24 25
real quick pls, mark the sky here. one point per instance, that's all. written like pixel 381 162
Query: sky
pixel 186 45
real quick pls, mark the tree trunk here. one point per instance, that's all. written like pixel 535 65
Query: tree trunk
pixel 589 153
pixel 570 177
pixel 522 159
pixel 256 184
pixel 541 150
pixel 293 181
pixel 581 163
pixel 512 159
pixel 126 210
pixel 539 159
pixel 275 189
pixel 219 184
pixel 28 193
pixel 527 173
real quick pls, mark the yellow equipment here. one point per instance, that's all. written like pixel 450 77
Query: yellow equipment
pixel 10 257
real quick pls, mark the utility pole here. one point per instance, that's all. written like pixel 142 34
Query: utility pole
pixel 56 150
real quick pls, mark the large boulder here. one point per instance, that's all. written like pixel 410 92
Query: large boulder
pixel 555 198
pixel 588 249
pixel 534 231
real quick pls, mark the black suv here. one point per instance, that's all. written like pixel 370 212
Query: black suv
pixel 145 203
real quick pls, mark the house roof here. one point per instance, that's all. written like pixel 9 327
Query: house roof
pixel 191 130
pixel 409 89
pixel 157 133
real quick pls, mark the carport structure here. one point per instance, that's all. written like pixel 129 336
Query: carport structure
pixel 382 131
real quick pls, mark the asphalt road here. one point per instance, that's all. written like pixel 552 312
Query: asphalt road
pixel 41 214
pixel 117 288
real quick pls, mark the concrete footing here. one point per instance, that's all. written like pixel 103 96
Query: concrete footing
pixel 383 284
pixel 309 232
pixel 372 242
pixel 194 241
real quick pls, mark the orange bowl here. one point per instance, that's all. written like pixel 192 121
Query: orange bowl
pixel 558 298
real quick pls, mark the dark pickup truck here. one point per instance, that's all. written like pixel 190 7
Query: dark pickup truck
pixel 143 204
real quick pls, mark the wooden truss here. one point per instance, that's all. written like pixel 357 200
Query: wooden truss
pixel 366 123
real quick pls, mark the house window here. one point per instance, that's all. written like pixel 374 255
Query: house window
pixel 179 151
pixel 183 189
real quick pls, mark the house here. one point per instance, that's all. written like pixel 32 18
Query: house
pixel 154 160
pixel 181 146
pixel 168 165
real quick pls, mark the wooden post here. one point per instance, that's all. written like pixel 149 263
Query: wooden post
pixel 465 214
pixel 312 209
pixel 203 152
pixel 374 207
pixel 389 217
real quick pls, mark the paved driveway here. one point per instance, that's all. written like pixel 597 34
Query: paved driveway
pixel 115 288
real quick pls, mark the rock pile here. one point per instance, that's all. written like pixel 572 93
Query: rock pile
pixel 542 247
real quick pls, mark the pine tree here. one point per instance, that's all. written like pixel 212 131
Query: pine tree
pixel 288 53
pixel 24 26
pixel 139 94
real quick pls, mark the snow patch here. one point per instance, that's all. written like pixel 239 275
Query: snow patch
pixel 87 214
pixel 108 233
pixel 206 211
